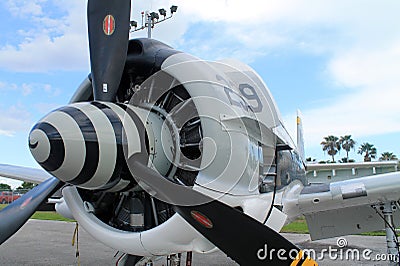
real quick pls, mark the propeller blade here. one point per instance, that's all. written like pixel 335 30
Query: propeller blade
pixel 108 29
pixel 241 237
pixel 14 216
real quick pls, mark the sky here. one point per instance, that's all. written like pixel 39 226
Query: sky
pixel 337 61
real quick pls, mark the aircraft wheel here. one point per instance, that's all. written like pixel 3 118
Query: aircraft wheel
pixel 132 260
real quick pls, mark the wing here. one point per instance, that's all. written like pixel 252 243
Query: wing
pixel 348 207
pixel 26 174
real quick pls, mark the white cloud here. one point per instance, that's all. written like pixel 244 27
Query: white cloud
pixel 4 87
pixel 14 119
pixel 23 8
pixel 51 44
pixel 357 114
pixel 246 29
pixel 250 29
pixel 368 105
pixel 358 39
pixel 362 67
pixel 61 43
pixel 26 89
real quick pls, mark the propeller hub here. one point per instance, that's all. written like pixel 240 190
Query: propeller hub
pixel 83 143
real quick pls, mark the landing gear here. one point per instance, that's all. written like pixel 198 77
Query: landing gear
pixel 189 257
pixel 174 260
pixel 387 209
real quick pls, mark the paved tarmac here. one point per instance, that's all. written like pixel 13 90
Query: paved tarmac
pixel 49 243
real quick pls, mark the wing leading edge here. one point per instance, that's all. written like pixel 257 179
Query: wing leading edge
pixel 26 174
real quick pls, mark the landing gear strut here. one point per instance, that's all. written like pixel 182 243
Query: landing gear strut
pixel 387 209
pixel 174 260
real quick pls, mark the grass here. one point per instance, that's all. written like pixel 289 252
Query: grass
pixel 45 215
pixel 52 216
pixel 298 226
pixel 376 233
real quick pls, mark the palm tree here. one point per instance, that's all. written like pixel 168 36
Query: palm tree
pixel 369 150
pixel 309 160
pixel 388 156
pixel 331 145
pixel 347 143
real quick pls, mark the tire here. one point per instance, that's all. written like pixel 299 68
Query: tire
pixel 132 260
pixel 4 201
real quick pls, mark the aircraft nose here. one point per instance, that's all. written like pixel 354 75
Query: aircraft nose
pixel 46 146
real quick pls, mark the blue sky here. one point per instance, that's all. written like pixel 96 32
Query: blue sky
pixel 337 61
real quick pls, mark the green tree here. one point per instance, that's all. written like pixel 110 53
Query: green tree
pixel 5 187
pixel 331 145
pixel 26 185
pixel 369 150
pixel 347 143
pixel 388 156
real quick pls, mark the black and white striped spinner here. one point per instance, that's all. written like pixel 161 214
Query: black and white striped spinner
pixel 82 144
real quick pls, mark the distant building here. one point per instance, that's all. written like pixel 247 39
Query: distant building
pixel 332 172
